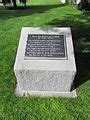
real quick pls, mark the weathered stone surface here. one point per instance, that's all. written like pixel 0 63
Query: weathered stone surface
pixel 45 77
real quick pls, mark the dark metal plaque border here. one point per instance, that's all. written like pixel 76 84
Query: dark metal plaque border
pixel 47 57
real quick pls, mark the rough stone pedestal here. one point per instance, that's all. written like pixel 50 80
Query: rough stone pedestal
pixel 45 77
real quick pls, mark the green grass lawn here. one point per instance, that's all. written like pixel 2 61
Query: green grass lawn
pixel 44 13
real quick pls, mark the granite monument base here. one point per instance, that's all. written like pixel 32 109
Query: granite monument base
pixel 49 71
pixel 20 92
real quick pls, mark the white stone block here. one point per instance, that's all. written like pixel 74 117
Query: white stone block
pixel 63 1
pixel 77 2
pixel 45 77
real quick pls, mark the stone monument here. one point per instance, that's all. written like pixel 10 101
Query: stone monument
pixel 45 63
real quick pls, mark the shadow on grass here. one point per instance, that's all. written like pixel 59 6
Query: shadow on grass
pixel 80 26
pixel 83 69
pixel 10 12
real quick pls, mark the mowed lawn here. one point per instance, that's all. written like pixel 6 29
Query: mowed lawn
pixel 44 13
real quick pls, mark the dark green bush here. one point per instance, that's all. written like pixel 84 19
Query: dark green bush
pixel 83 5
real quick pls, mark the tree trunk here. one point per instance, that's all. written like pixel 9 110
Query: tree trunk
pixel 14 3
